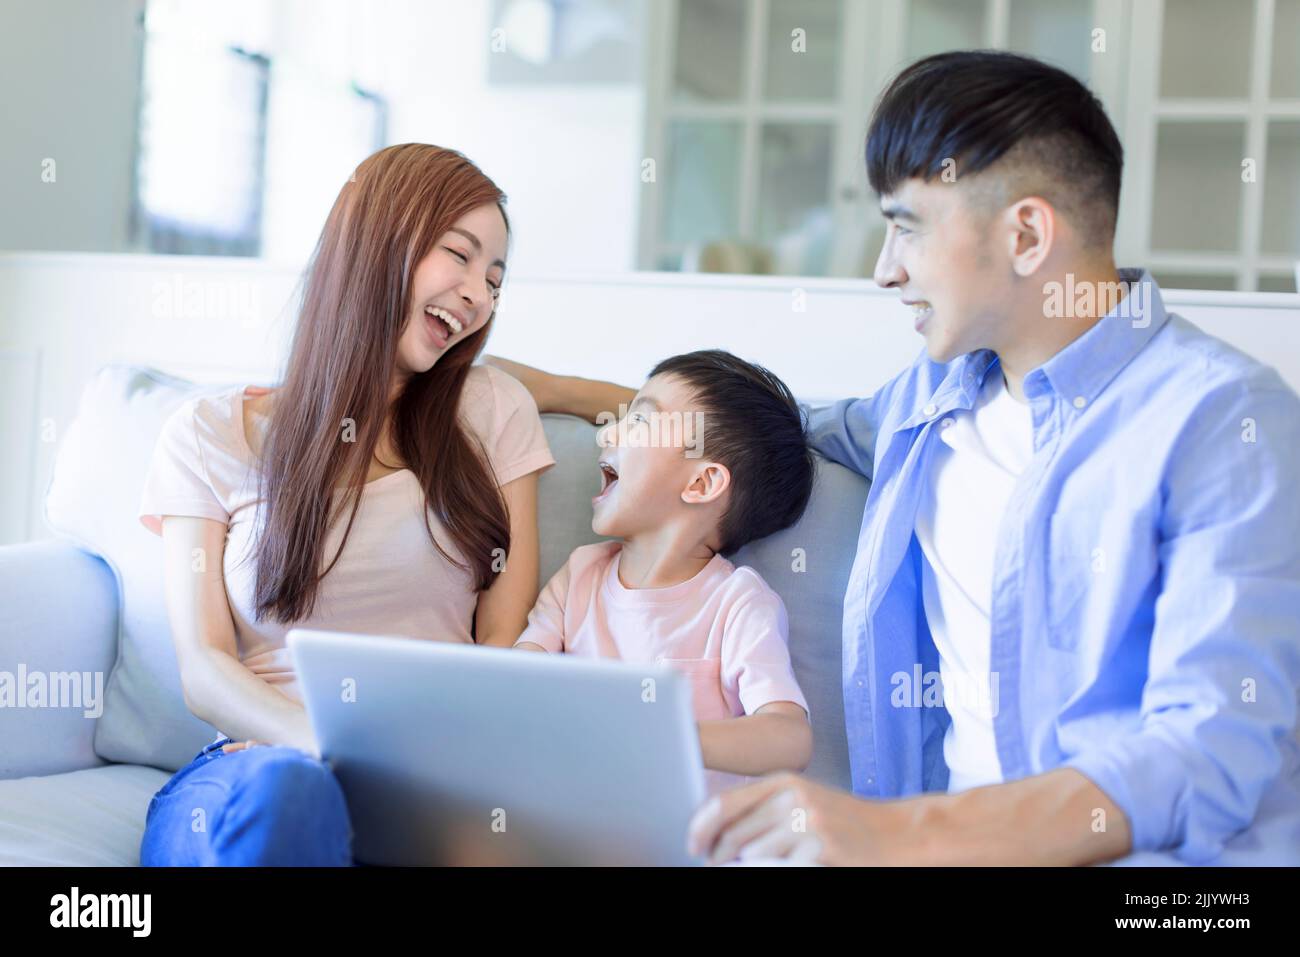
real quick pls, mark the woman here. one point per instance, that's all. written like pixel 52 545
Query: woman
pixel 379 489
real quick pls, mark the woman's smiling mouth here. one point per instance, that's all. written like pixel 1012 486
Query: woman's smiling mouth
pixel 442 324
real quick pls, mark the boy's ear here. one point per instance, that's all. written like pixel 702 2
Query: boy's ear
pixel 708 483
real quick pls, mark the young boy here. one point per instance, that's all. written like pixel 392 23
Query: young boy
pixel 709 455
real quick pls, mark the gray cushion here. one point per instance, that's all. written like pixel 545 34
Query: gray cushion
pixel 92 818
pixel 814 601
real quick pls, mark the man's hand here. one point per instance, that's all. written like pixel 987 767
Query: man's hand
pixel 1058 818
pixel 790 817
pixel 590 399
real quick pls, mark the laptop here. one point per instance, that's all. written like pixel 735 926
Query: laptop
pixel 460 754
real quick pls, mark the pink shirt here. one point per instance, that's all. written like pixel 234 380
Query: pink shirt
pixel 724 629
pixel 390 579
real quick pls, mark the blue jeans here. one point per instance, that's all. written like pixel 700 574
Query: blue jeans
pixel 262 806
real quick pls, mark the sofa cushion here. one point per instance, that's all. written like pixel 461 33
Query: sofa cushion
pixel 808 565
pixel 93 499
pixel 91 818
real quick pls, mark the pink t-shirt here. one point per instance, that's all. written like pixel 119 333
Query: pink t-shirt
pixel 390 580
pixel 724 629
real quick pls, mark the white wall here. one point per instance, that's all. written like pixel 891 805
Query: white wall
pixel 62 316
pixel 568 156
pixel 69 77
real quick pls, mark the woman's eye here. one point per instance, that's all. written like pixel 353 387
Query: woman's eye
pixel 459 255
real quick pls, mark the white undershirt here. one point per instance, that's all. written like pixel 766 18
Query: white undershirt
pixel 976 463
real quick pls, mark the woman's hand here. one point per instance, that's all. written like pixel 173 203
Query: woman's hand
pixel 241 745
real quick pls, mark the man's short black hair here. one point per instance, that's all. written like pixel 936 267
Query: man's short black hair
pixel 753 426
pixel 974 107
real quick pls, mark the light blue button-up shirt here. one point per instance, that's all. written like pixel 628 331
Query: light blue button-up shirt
pixel 1145 615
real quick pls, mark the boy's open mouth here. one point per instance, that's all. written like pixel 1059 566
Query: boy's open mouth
pixel 609 478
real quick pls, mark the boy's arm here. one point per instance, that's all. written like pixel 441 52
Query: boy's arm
pixel 585 398
pixel 776 737
pixel 545 628
pixel 774 734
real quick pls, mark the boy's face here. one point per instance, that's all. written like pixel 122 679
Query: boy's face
pixel 653 463
pixel 948 258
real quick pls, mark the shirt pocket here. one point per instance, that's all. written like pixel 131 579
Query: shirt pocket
pixel 1072 548
pixel 705 678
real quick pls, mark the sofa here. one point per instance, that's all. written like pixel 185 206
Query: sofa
pixel 85 610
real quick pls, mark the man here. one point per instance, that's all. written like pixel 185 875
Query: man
pixel 1081 532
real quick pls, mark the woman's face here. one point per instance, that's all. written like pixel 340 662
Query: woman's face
pixel 454 289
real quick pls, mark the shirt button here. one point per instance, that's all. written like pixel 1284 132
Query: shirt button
pixel 946 422
pixel 1080 402
pixel 930 409
pixel 859 682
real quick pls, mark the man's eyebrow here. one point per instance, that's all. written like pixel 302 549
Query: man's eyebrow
pixel 478 246
pixel 898 211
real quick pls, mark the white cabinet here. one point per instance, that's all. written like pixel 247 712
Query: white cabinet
pixel 758 109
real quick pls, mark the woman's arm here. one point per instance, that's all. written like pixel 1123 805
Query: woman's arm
pixel 217 686
pixel 585 398
pixel 502 612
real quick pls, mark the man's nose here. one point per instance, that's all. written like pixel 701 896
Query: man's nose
pixel 889 272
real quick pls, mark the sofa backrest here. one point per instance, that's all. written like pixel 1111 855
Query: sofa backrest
pixel 95 491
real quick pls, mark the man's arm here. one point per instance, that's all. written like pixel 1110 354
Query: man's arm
pixel 1224 660
pixel 585 398
pixel 1057 818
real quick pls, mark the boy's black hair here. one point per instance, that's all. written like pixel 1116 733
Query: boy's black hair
pixel 974 106
pixel 753 426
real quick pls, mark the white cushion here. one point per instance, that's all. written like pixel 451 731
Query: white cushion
pixel 93 498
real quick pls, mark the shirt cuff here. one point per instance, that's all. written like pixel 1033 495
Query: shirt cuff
pixel 1147 781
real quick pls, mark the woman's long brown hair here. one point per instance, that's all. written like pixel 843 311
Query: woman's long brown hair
pixel 356 302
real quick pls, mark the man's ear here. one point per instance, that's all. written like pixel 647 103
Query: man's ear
pixel 1031 232
pixel 708 484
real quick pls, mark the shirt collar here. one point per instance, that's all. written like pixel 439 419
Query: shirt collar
pixel 1080 371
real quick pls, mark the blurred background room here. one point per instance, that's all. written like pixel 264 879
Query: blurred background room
pixel 166 167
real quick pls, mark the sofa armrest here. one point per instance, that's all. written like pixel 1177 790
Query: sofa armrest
pixel 58 641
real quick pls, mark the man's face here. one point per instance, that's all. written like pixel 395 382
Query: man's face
pixel 948 261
